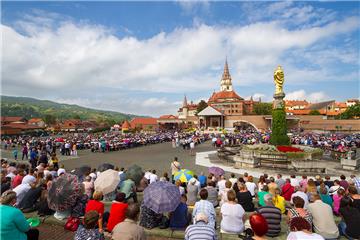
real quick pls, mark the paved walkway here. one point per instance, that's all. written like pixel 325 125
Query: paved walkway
pixel 209 158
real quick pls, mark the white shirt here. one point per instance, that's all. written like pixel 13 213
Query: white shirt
pixel 251 187
pixel 323 219
pixel 153 178
pixel 232 218
pixel 221 185
pixel 147 175
pixel 294 182
pixel 302 195
pixel 21 190
pixel 233 180
pixel 300 235
pixel 192 145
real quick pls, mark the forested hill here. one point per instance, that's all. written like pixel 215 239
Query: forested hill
pixel 35 108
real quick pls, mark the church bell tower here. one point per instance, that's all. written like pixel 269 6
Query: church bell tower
pixel 225 83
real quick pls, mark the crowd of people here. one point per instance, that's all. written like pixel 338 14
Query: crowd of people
pixel 330 141
pixel 232 204
pixel 69 144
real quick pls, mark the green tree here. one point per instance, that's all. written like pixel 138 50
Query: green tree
pixel 314 112
pixel 263 108
pixel 76 116
pixel 49 119
pixel 351 113
pixel 201 106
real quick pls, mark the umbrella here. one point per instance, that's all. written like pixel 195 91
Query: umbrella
pixel 63 192
pixel 107 181
pixel 162 197
pixel 216 171
pixel 183 175
pixel 82 171
pixel 135 173
pixel 59 140
pixel 105 166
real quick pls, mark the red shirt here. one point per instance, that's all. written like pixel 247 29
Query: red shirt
pixel 117 214
pixel 96 206
pixel 287 190
pixel 17 181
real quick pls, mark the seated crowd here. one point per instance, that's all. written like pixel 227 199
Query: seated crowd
pixel 232 205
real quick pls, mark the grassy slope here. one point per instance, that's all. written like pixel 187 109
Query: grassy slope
pixel 30 107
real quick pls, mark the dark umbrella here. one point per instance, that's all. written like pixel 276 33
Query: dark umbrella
pixel 216 171
pixel 82 171
pixel 162 197
pixel 134 173
pixel 63 192
pixel 105 166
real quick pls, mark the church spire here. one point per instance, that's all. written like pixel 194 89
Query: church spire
pixel 226 84
pixel 185 101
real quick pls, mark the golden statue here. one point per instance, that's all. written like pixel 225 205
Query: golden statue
pixel 279 80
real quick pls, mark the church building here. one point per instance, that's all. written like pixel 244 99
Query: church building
pixel 227 100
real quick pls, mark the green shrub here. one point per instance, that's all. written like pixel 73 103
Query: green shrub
pixel 279 128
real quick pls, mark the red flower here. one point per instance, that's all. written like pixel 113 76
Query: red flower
pixel 288 149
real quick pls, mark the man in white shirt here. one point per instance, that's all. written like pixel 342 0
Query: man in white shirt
pixel 323 218
pixel 221 184
pixel 153 177
pixel 233 179
pixel 147 174
pixel 175 167
pixel 299 193
pixel 294 182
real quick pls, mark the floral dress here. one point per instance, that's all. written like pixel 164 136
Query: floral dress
pixel 148 218
pixel 88 234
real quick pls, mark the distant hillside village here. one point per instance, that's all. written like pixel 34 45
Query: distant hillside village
pixel 224 110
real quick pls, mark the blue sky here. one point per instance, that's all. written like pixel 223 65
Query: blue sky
pixel 142 57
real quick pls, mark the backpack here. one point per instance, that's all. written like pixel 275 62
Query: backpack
pixel 72 224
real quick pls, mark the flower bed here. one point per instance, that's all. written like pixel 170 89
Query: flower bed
pixel 287 149
pixel 294 152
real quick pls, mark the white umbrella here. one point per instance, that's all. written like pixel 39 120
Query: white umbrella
pixel 107 181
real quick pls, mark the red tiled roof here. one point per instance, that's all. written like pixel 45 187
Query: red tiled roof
pixel 167 117
pixel 125 125
pixel 143 121
pixel 341 104
pixel 291 103
pixel 224 95
pixel 11 119
pixel 299 111
pixel 35 120
pixel 20 126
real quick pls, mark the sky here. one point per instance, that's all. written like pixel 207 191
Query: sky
pixel 143 57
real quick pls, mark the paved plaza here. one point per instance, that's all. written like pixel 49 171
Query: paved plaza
pixel 157 156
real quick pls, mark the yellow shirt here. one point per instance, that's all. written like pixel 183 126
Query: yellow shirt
pixel 280 203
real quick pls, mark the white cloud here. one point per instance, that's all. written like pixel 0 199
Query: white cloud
pixel 55 56
pixel 310 97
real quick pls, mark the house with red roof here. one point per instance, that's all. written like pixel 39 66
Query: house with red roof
pixel 17 126
pixel 144 124
pixel 36 122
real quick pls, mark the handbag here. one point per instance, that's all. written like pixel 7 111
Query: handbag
pixel 72 224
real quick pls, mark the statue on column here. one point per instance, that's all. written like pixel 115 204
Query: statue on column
pixel 279 80
pixel 279 92
pixel 279 125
